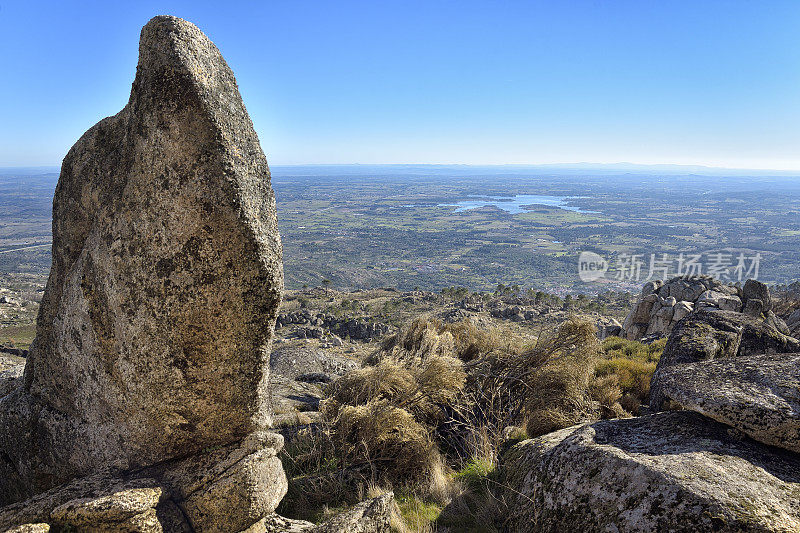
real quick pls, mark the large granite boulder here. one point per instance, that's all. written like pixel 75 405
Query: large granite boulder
pixel 715 334
pixel 154 331
pixel 759 395
pixel 675 471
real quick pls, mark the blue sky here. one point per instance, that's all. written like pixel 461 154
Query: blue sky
pixel 491 82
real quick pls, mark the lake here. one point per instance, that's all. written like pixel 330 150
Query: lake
pixel 514 204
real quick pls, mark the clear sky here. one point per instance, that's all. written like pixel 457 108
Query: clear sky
pixel 490 82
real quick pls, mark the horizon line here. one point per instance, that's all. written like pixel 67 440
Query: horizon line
pixel 583 165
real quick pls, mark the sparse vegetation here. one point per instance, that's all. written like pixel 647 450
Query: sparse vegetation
pixel 431 412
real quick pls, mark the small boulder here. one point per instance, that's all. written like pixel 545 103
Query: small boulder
pixel 755 289
pixel 720 300
pixel 793 318
pixel 650 287
pixel 754 307
pixel 682 309
pixel 777 322
pixel 607 327
pixel 370 516
pixel 645 308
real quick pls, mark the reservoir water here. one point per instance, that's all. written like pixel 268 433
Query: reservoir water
pixel 513 204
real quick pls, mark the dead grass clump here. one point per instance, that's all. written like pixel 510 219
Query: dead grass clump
pixel 422 387
pixel 423 337
pixel 606 392
pixel 472 342
pixel 384 416
pixel 559 388
pixel 388 380
pixel 463 340
pixel 630 403
pixel 387 438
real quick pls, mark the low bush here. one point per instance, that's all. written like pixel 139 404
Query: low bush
pixel 388 439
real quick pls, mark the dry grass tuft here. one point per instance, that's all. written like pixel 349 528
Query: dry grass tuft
pixel 383 415
pixel 387 438
pixel 423 387
pixel 387 380
pixel 463 340
pixel 437 396
pixel 559 388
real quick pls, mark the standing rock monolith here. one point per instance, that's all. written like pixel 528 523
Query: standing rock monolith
pixel 154 331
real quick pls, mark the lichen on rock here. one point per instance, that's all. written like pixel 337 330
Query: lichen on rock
pixel 675 471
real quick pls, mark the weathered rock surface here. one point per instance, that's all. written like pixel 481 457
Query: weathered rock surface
pixel 759 395
pixel 607 327
pixel 755 290
pixel 676 471
pixel 223 490
pixel 715 334
pixel 371 516
pixel 793 323
pixel 11 369
pixel 297 375
pixel 28 528
pixel 153 336
pixel 719 300
pixel 100 501
pixel 324 324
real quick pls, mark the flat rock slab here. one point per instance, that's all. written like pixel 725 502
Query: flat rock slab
pixel 293 361
pixel 221 491
pixel 671 471
pixel 759 395
pixel 290 366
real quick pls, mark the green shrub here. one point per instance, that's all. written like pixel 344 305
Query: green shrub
pixel 633 364
pixel 475 474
